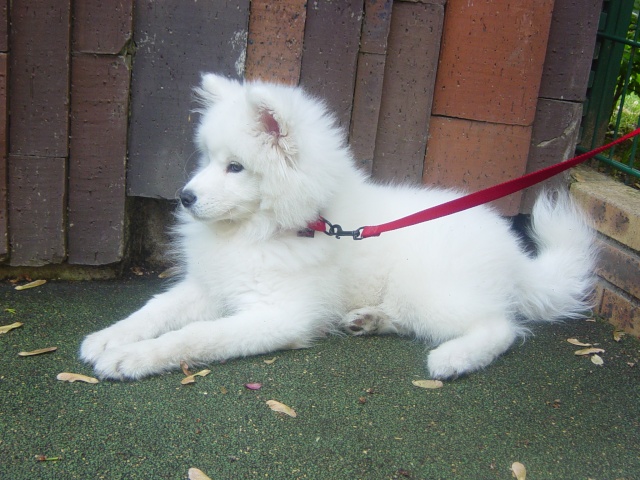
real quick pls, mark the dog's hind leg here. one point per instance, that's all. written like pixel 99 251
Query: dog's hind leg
pixel 370 321
pixel 474 350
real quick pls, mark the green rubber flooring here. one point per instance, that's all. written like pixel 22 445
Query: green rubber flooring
pixel 358 414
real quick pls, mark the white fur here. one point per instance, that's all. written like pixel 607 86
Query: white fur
pixel 252 285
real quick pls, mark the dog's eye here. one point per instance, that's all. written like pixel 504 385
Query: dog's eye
pixel 234 167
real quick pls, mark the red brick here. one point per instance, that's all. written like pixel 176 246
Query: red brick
pixel 276 33
pixel 491 60
pixel 102 27
pixel 98 149
pixel 39 78
pixel 36 210
pixel 408 91
pixel 474 155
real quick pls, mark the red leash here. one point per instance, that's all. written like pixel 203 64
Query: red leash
pixel 468 201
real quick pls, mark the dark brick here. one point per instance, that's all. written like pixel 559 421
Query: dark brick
pixel 175 45
pixel 3 156
pixel 330 53
pixel 36 210
pixel 619 266
pixel 375 26
pixel 4 26
pixel 102 27
pixel 572 39
pixel 39 77
pixel 366 108
pixel 414 44
pixel 98 149
pixel 553 140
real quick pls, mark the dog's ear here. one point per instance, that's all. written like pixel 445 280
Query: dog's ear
pixel 272 124
pixel 214 87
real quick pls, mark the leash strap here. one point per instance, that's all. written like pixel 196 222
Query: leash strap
pixel 469 201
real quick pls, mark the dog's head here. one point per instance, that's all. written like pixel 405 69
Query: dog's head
pixel 268 154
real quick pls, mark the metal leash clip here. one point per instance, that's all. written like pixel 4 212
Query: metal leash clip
pixel 335 230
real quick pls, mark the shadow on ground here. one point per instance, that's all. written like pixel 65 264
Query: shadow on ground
pixel 359 416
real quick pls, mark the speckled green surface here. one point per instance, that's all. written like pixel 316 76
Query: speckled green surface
pixel 359 416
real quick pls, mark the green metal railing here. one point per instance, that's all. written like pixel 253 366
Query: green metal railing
pixel 615 84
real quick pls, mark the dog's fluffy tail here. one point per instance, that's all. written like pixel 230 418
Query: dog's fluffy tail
pixel 558 282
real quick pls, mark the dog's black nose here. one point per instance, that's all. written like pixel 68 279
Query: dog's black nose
pixel 187 198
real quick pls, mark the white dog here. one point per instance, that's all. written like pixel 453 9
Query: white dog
pixel 272 161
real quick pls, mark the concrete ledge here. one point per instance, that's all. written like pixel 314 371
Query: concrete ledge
pixel 615 210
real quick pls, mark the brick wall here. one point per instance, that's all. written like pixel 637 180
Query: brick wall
pixel 615 210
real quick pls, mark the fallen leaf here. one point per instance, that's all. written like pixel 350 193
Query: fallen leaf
pixel 75 377
pixel 43 458
pixel 575 341
pixel 588 351
pixel 197 474
pixel 428 383
pixel 282 408
pixel 137 271
pixel 38 352
pixel 597 360
pixel 8 328
pixel 618 334
pixel 223 390
pixel 12 311
pixel 185 368
pixel 35 283
pixel 518 471
pixel 270 361
pixel 253 386
pixel 192 378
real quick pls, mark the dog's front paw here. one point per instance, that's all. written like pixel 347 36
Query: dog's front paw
pixel 447 361
pixel 132 362
pixel 95 344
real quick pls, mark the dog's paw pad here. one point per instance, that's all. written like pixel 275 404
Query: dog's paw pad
pixel 366 321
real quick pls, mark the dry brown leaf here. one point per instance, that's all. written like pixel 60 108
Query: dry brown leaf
pixel 588 351
pixel 518 471
pixel 428 383
pixel 7 328
pixel 185 368
pixel 270 361
pixel 618 334
pixel 35 283
pixel 76 377
pixel 38 351
pixel 575 341
pixel 192 378
pixel 197 474
pixel 597 360
pixel 282 408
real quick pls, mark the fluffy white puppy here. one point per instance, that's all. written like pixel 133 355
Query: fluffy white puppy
pixel 272 161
